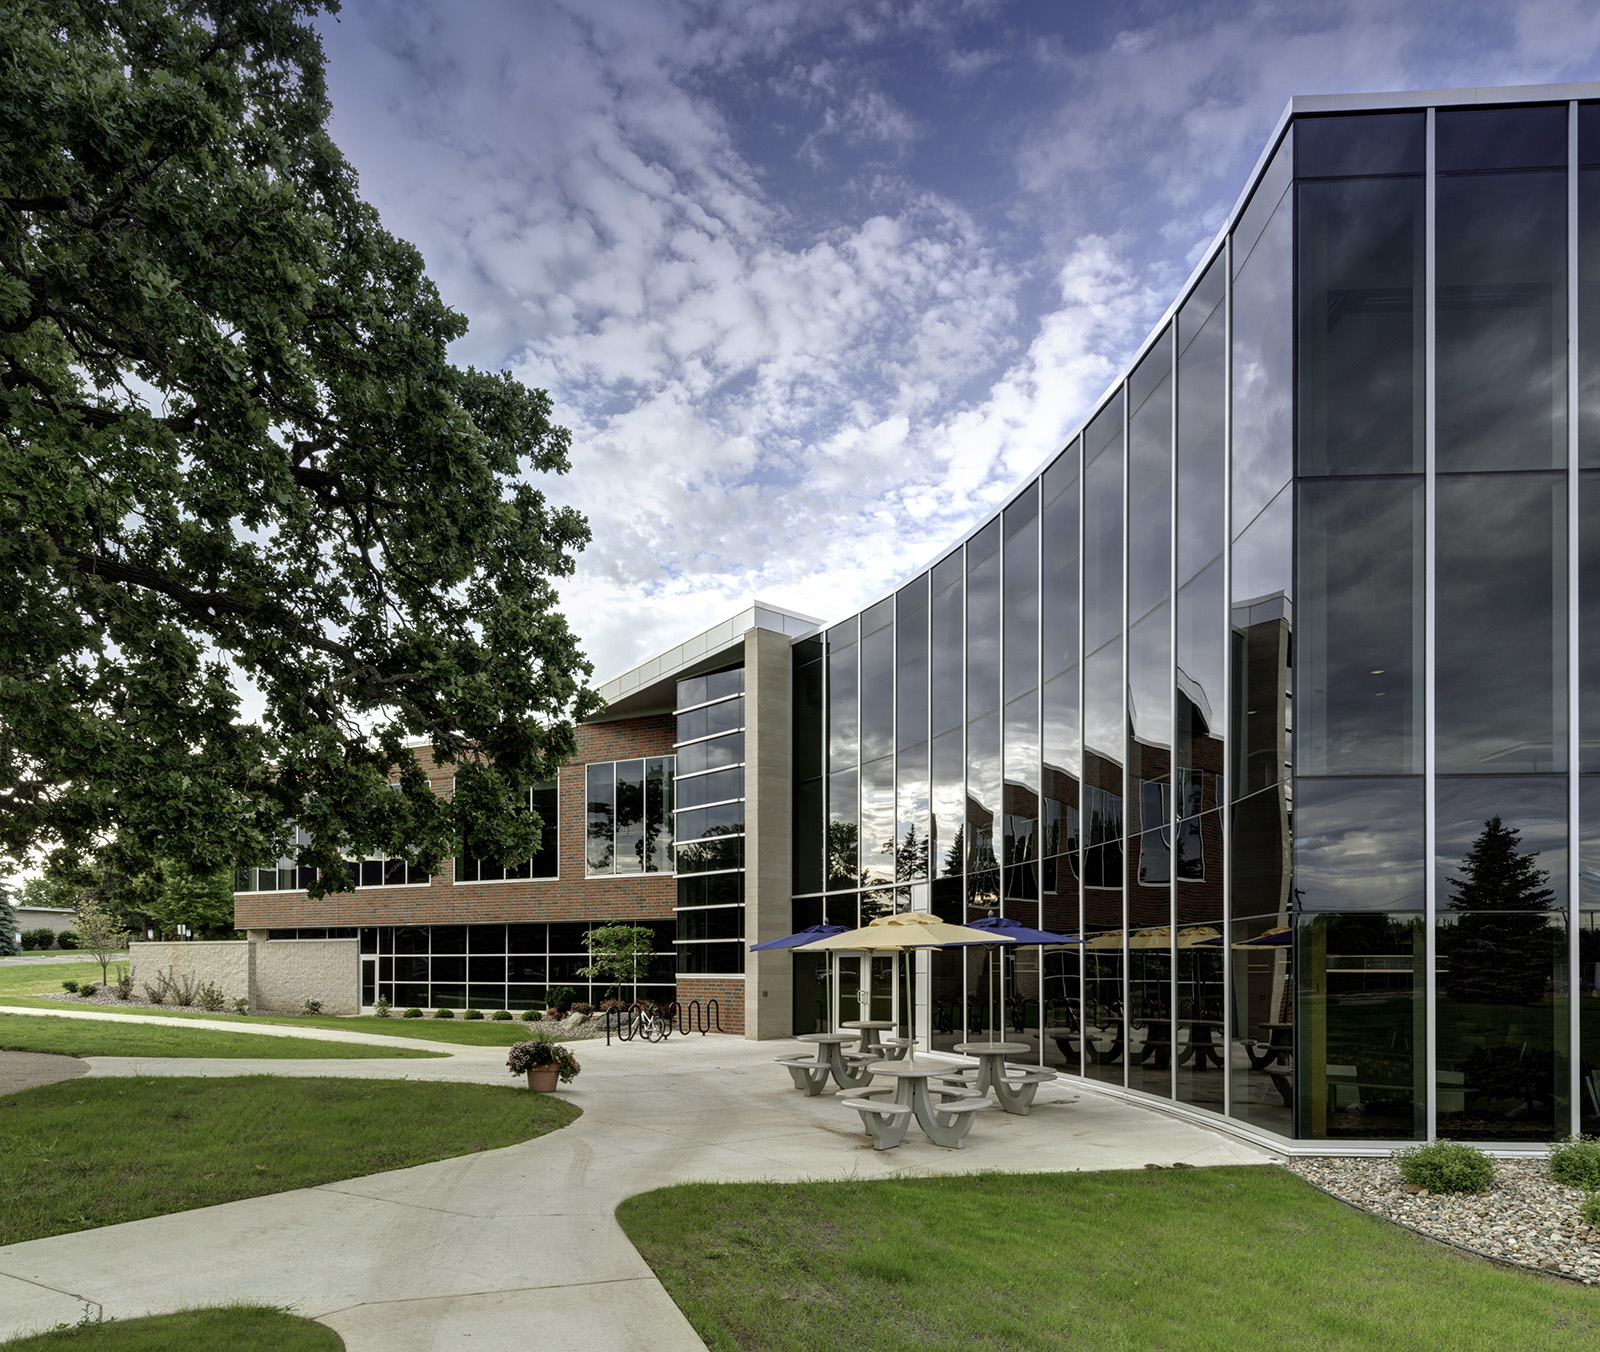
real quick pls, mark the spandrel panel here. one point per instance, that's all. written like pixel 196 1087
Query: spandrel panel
pixel 1359 844
pixel 1501 349
pixel 1501 570
pixel 1361 350
pixel 1359 678
pixel 1202 415
pixel 1102 528
pixel 1150 480
pixel 1263 374
pixel 1059 556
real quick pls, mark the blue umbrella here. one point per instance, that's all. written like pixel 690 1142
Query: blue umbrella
pixel 806 936
pixel 1016 931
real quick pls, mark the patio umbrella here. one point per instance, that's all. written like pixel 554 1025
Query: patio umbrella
pixel 1019 933
pixel 1281 937
pixel 904 933
pixel 809 934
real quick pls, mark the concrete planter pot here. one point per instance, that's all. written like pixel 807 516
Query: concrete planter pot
pixel 543 1079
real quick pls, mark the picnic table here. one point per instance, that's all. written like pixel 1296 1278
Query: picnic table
pixel 811 1074
pixel 886 1119
pixel 1014 1093
pixel 891 1048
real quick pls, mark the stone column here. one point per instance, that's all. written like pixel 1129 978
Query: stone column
pixel 768 668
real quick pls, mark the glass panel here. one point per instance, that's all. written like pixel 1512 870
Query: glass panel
pixel 545 801
pixel 1501 568
pixel 1263 202
pixel 1589 316
pixel 1589 620
pixel 1500 138
pixel 983 623
pixel 1261 674
pixel 807 713
pixel 843 831
pixel 630 816
pixel 877 694
pixel 1365 143
pixel 1149 696
pixel 601 817
pixel 1502 945
pixel 949 805
pixel 1263 1022
pixel 911 677
pixel 1202 650
pixel 1361 337
pixel 1502 321
pixel 843 723
pixel 983 792
pixel 808 850
pixel 911 815
pixel 945 702
pixel 1150 480
pixel 1202 406
pixel 1359 687
pixel 1105 1029
pixel 1022 596
pixel 1061 744
pixel 1059 601
pixel 658 815
pixel 877 821
pixel 1263 376
pixel 722 683
pixel 1358 844
pixel 1360 999
pixel 1021 877
pixel 1102 528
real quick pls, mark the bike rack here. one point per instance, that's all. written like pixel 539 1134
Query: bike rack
pixel 696 1018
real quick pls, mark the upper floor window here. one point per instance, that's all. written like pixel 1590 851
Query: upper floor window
pixel 629 815
pixel 471 868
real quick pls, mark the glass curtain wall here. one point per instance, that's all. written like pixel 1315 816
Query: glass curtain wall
pixel 710 823
pixel 1587 546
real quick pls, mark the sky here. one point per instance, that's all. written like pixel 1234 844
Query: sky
pixel 816 284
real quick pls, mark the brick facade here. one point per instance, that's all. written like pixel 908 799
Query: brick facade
pixel 727 991
pixel 571 896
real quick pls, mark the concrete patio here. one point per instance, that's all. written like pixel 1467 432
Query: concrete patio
pixel 519 1246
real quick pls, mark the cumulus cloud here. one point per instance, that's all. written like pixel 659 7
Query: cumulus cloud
pixel 816 285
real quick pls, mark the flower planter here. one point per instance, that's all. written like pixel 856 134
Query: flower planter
pixel 543 1079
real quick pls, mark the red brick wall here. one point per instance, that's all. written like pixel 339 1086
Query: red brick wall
pixel 727 991
pixel 569 897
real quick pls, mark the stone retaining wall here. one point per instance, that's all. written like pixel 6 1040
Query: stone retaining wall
pixel 277 976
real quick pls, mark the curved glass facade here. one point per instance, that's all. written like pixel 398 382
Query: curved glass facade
pixel 1274 688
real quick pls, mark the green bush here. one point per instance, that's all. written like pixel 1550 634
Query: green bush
pixel 1591 1210
pixel 210 998
pixel 560 997
pixel 501 1016
pixel 241 1004
pixel 68 939
pixel 412 1014
pixel 70 986
pixel 444 1013
pixel 472 1014
pixel 44 937
pixel 532 1015
pixel 380 1010
pixel 87 989
pixel 1446 1166
pixel 583 1007
pixel 1576 1160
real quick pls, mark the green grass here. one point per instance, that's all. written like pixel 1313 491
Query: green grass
pixel 94 1037
pixel 35 978
pixel 92 1152
pixel 1208 1260
pixel 241 1328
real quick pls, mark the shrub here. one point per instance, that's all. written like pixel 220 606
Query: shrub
pixel 70 986
pixel 380 1010
pixel 87 989
pixel 472 1014
pixel 68 939
pixel 210 998
pixel 241 1004
pixel 444 1013
pixel 532 1015
pixel 583 1007
pixel 1591 1210
pixel 311 1007
pixel 1446 1166
pixel 501 1016
pixel 1576 1161
pixel 560 997
pixel 613 1006
pixel 44 937
pixel 184 988
pixel 412 1014
pixel 122 988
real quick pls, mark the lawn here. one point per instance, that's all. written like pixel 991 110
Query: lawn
pixel 101 1037
pixel 92 1152
pixel 240 1328
pixel 1206 1260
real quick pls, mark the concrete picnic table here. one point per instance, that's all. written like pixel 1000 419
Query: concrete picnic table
pixel 831 1060
pixel 886 1120
pixel 869 1030
pixel 1014 1093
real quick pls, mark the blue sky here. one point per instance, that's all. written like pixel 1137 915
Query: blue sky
pixel 815 283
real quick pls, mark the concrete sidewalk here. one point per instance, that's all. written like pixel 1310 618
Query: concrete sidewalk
pixel 520 1247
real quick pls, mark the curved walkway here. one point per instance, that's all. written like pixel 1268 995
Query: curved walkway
pixel 29 1070
pixel 520 1247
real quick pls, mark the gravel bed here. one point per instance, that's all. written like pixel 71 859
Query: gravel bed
pixel 1523 1217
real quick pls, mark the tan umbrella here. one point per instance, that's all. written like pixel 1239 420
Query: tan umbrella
pixel 1158 936
pixel 903 933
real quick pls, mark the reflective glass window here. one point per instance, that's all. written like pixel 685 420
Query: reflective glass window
pixel 983 621
pixel 1150 479
pixel 911 815
pixel 1059 556
pixel 844 829
pixel 1102 527
pixel 948 835
pixel 601 817
pixel 911 676
pixel 1202 408
pixel 1351 145
pixel 877 693
pixel 1589 621
pixel 1061 740
pixel 1201 656
pixel 1359 844
pixel 1501 572
pixel 1588 312
pixel 630 816
pixel 843 721
pixel 877 821
pixel 1150 695
pixel 1468 139
pixel 807 713
pixel 983 791
pixel 947 655
pixel 1361 348
pixel 1358 692
pixel 1022 594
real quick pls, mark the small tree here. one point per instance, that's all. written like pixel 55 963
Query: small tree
pixel 620 952
pixel 100 933
pixel 8 920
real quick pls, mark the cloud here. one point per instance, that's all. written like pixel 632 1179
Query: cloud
pixel 816 285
